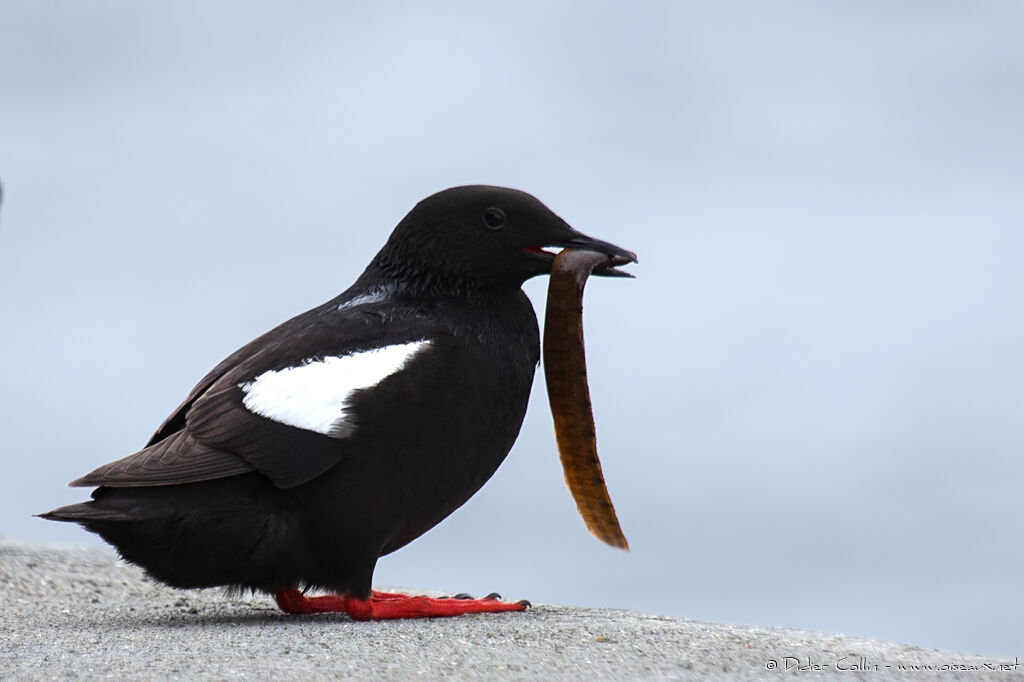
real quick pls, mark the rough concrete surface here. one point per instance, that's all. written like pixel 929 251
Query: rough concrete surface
pixel 74 613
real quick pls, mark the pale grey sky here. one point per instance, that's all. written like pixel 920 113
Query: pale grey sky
pixel 809 403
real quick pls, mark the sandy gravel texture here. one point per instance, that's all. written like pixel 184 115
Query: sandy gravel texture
pixel 75 613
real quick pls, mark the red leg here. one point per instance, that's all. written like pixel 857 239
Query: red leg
pixel 293 601
pixel 388 605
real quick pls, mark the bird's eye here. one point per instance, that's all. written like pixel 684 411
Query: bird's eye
pixel 494 218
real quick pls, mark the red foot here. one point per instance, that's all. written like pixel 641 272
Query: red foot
pixel 386 605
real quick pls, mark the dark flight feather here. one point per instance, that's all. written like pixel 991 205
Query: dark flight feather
pixel 177 459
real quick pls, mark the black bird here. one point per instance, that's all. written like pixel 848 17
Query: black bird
pixel 350 430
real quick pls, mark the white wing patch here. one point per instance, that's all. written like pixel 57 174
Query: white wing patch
pixel 314 395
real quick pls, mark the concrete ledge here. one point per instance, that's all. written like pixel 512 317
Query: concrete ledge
pixel 81 614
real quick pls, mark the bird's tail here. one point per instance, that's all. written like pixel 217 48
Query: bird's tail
pixel 84 512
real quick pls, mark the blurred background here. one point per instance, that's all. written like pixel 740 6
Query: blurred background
pixel 809 403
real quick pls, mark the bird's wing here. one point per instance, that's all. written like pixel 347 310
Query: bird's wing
pixel 178 458
pixel 279 405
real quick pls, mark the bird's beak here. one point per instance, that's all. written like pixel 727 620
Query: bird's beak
pixel 616 254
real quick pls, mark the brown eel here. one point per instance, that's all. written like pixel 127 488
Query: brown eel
pixel 565 368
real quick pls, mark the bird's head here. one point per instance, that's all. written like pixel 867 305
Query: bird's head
pixel 483 237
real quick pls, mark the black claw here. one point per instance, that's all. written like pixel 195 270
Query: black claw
pixel 524 602
pixel 462 595
pixel 493 595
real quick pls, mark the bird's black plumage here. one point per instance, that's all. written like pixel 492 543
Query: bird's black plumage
pixel 271 486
